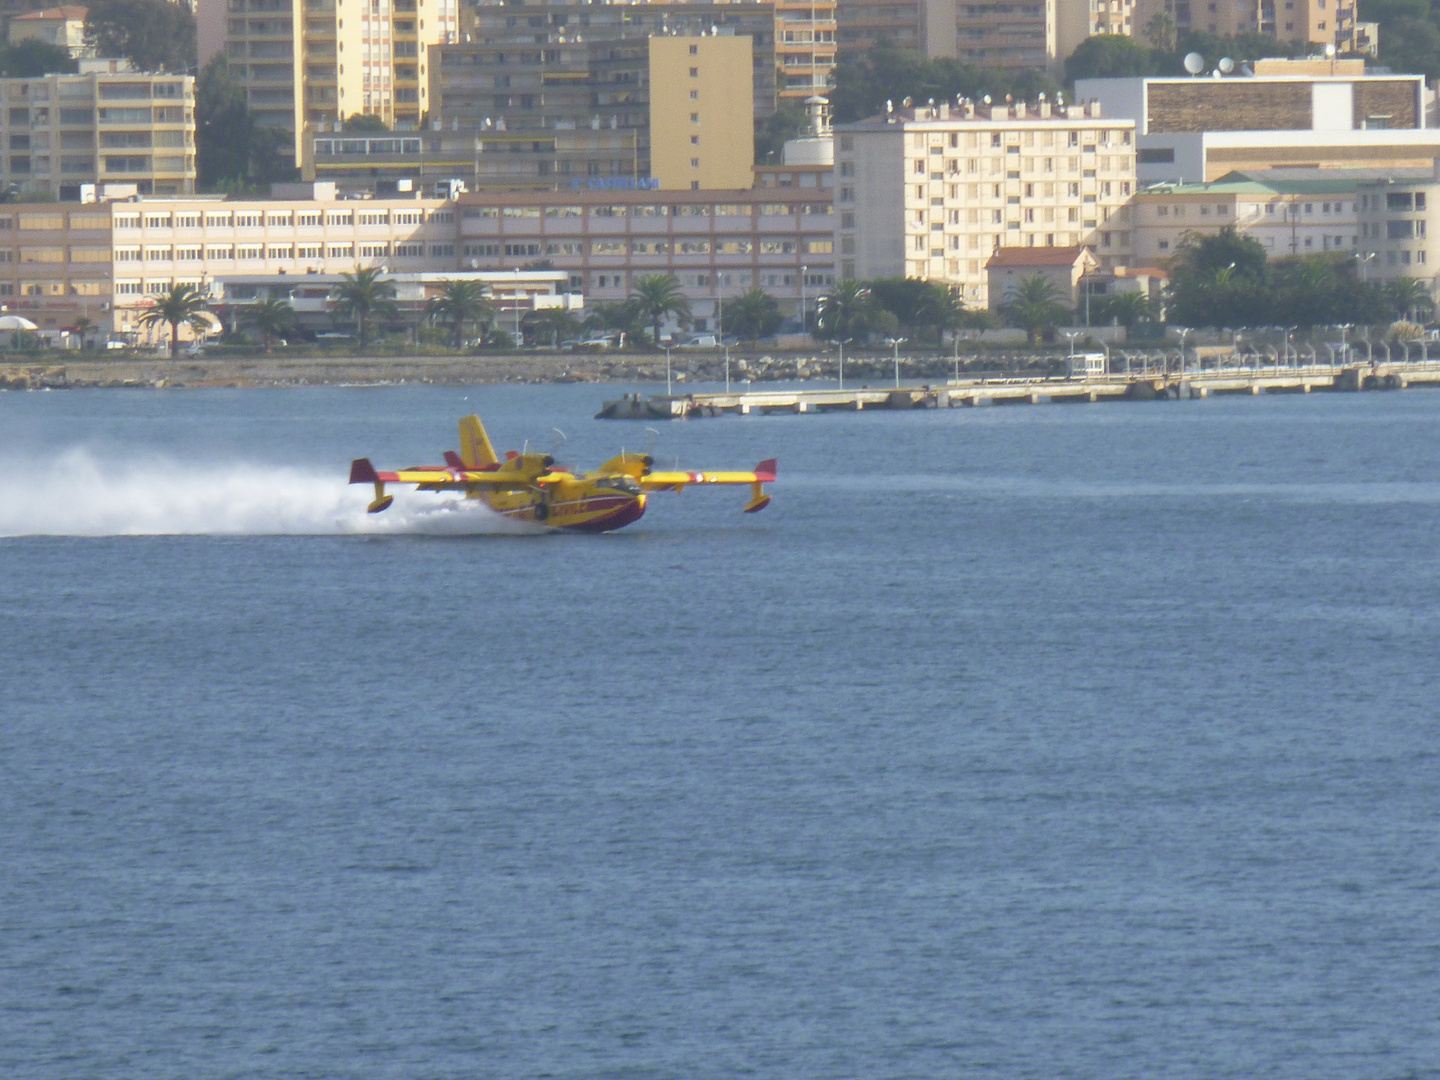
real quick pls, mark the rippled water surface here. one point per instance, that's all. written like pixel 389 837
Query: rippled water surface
pixel 1054 741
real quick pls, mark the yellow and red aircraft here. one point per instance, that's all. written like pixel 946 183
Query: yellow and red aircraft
pixel 531 487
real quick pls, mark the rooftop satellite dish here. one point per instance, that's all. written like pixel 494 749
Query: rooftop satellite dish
pixel 986 99
pixel 1226 65
pixel 1042 95
pixel 907 102
pixel 1330 50
pixel 1194 63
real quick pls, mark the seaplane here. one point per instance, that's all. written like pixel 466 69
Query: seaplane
pixel 528 486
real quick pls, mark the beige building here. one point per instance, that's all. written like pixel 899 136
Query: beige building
pixel 55 263
pixel 717 244
pixel 1400 228
pixel 1287 214
pixel 932 194
pixel 1319 22
pixel 63 27
pixel 63 131
pixel 702 136
pixel 804 47
pixel 1063 267
pixel 1284 116
pixel 1076 20
pixel 303 65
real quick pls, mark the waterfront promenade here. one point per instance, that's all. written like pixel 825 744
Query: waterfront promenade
pixel 1139 385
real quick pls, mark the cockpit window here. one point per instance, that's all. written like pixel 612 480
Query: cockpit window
pixel 619 483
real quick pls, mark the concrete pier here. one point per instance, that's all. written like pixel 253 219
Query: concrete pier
pixel 1005 390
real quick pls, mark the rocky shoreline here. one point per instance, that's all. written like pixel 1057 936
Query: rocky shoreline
pixel 84 372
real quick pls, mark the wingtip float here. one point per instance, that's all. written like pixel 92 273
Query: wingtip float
pixel 530 487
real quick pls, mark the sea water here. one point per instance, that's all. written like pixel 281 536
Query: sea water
pixel 1057 741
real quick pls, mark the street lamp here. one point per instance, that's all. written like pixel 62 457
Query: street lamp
pixel 1184 330
pixel 896 342
pixel 1072 335
pixel 843 343
pixel 515 300
pixel 803 271
pixel 668 391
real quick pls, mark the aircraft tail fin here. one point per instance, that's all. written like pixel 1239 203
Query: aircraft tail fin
pixel 362 472
pixel 475 448
pixel 767 470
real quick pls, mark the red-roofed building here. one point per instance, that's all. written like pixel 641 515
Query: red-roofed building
pixel 60 26
pixel 1064 267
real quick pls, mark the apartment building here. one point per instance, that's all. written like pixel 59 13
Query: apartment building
pixel 1076 21
pixel 55 262
pixel 931 193
pixel 1399 227
pixel 60 132
pixel 1320 22
pixel 587 108
pixel 1198 130
pixel 717 244
pixel 804 47
pixel 63 27
pixel 1287 211
pixel 290 56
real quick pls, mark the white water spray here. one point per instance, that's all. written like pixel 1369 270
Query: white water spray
pixel 78 494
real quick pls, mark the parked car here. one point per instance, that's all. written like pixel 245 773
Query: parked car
pixel 700 341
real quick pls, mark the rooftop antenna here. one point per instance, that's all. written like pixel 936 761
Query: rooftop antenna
pixel 1226 65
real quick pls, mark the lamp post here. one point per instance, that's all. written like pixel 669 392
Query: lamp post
pixel 515 301
pixel 1184 330
pixel 727 364
pixel 668 391
pixel 843 342
pixel 896 342
pixel 1072 335
pixel 803 271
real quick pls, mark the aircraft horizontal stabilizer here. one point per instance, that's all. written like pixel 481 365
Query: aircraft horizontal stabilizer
pixel 766 471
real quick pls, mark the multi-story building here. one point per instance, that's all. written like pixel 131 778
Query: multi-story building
pixel 1076 21
pixel 1317 21
pixel 1396 237
pixel 804 47
pixel 675 107
pixel 63 27
pixel 717 244
pixel 1196 130
pixel 931 192
pixel 291 58
pixel 1286 211
pixel 63 131
pixel 925 26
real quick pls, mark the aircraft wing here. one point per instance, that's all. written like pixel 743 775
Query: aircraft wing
pixel 658 480
pixel 459 478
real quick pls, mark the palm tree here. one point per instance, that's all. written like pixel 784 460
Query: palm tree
pixel 658 296
pixel 1127 309
pixel 461 304
pixel 846 312
pixel 619 315
pixel 83 326
pixel 183 304
pixel 272 317
pixel 1033 304
pixel 549 326
pixel 363 298
pixel 1407 296
pixel 751 315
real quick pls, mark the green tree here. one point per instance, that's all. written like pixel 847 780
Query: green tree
pixel 864 83
pixel 1408 298
pixel 1033 304
pixel 182 304
pixel 1160 31
pixel 233 153
pixel 155 35
pixel 549 326
pixel 616 316
pixel 364 124
pixel 1108 56
pixel 1126 309
pixel 846 312
pixel 272 317
pixel 1220 279
pixel 31 59
pixel 920 308
pixel 788 121
pixel 658 297
pixel 460 304
pixel 363 299
pixel 751 315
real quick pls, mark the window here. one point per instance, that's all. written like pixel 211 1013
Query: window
pixel 341 251
pixel 374 251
